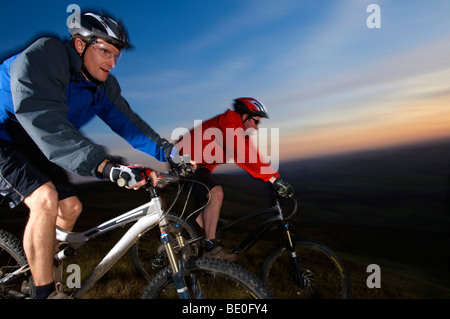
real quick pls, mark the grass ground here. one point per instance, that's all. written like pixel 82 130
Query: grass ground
pixel 389 208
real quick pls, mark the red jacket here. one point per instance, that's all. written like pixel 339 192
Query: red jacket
pixel 221 139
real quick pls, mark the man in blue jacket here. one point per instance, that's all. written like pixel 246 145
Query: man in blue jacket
pixel 47 92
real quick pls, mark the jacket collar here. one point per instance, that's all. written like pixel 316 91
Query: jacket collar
pixel 76 65
pixel 74 58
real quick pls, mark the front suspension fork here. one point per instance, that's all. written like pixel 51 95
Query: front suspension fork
pixel 176 263
pixel 295 260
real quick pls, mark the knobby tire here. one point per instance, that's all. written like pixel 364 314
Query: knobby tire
pixel 12 257
pixel 324 274
pixel 217 279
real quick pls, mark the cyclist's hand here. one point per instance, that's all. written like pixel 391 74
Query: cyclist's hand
pixel 151 179
pixel 132 176
pixel 283 188
pixel 182 165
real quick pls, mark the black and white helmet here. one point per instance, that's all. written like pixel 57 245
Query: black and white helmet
pixel 99 26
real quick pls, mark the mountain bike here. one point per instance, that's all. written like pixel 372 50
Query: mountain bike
pixel 190 276
pixel 298 268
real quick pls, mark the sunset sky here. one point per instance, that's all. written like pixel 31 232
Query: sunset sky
pixel 330 83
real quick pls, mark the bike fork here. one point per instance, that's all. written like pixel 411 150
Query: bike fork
pixel 290 246
pixel 177 267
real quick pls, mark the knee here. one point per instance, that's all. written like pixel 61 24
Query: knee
pixel 70 207
pixel 44 199
pixel 217 194
pixel 77 207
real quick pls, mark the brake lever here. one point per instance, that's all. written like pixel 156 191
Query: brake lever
pixel 186 170
pixel 165 179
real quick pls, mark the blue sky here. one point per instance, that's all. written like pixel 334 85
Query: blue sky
pixel 331 83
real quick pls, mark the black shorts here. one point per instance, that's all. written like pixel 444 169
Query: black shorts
pixel 24 169
pixel 203 176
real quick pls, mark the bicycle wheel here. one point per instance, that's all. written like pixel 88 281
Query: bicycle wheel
pixel 12 257
pixel 147 253
pixel 209 278
pixel 322 273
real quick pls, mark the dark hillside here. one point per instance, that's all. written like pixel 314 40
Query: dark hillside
pixel 388 207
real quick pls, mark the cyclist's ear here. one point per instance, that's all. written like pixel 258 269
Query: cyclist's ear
pixel 79 45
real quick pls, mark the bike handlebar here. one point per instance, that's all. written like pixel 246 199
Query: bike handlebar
pixel 166 178
pixel 183 173
pixel 182 170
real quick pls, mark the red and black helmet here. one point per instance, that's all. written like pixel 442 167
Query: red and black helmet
pixel 250 106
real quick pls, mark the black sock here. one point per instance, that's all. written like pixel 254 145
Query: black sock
pixel 42 292
pixel 210 244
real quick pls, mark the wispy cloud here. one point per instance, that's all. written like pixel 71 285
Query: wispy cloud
pixel 404 75
pixel 329 81
pixel 247 17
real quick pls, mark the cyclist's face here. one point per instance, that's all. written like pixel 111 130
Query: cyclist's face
pixel 99 58
pixel 250 122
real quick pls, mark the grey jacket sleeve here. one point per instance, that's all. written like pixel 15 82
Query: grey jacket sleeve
pixel 39 77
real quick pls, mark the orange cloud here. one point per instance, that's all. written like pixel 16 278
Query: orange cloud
pixel 412 121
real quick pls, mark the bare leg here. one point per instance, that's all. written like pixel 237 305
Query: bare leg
pixel 209 218
pixel 39 236
pixel 69 210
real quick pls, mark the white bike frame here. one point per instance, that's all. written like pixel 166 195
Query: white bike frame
pixel 145 217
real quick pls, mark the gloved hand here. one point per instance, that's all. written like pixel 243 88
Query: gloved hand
pixel 182 165
pixel 125 175
pixel 283 188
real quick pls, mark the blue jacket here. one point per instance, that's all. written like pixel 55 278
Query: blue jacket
pixel 43 90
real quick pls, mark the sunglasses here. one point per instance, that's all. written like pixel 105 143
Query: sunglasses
pixel 255 120
pixel 104 51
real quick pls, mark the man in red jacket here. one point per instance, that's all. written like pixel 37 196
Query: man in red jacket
pixel 215 142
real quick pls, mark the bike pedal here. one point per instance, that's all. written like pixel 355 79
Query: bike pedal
pixel 25 288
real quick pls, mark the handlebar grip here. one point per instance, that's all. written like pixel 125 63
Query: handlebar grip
pixel 122 182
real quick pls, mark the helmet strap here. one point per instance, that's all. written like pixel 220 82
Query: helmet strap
pixel 89 76
pixel 88 43
pixel 83 66
pixel 248 117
